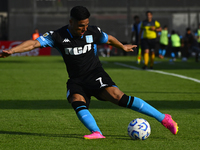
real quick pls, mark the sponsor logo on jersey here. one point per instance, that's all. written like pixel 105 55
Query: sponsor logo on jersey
pixel 89 38
pixel 66 40
pixel 78 50
pixel 43 39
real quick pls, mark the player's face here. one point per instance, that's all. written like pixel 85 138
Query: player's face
pixel 78 28
pixel 137 20
pixel 149 16
pixel 188 32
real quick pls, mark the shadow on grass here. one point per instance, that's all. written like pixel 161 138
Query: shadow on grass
pixel 79 136
pixel 95 104
pixel 76 136
pixel 42 134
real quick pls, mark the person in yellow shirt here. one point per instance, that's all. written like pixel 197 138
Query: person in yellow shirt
pixel 149 29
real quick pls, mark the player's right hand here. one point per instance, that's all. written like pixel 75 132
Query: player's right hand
pixel 153 28
pixel 5 54
pixel 129 48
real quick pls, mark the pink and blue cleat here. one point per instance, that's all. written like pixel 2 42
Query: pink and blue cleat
pixel 170 124
pixel 94 135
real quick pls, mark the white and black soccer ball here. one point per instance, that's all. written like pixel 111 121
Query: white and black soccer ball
pixel 139 129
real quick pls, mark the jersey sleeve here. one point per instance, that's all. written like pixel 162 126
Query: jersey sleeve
pixel 157 24
pixel 104 38
pixel 46 39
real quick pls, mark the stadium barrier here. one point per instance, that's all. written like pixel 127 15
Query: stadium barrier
pixel 35 52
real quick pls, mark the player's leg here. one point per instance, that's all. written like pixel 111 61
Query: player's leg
pixel 79 104
pixel 116 96
pixel 160 51
pixel 152 58
pixel 164 50
pixel 173 55
pixel 152 43
pixel 197 51
pixel 146 58
pixel 139 54
pixel 80 101
pixel 145 49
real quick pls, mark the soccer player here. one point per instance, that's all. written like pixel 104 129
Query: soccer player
pixel 176 44
pixel 149 27
pixel 77 45
pixel 191 44
pixel 163 42
pixel 135 33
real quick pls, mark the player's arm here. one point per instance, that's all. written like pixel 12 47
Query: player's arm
pixel 110 40
pixel 157 27
pixel 23 47
pixel 114 42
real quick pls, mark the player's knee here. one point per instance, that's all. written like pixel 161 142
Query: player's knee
pixel 116 93
pixel 76 97
pixel 126 101
pixel 78 106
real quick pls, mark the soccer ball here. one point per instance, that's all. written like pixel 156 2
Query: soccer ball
pixel 139 129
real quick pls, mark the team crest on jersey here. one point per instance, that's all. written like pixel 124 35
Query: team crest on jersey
pixel 46 34
pixel 89 38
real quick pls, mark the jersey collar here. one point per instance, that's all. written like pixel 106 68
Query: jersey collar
pixel 71 34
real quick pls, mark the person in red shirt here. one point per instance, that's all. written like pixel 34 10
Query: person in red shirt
pixel 36 34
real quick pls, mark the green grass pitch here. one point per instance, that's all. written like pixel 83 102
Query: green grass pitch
pixel 35 115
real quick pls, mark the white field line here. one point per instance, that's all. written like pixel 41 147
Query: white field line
pixel 161 72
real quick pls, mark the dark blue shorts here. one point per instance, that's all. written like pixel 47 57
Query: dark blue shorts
pixel 90 84
pixel 148 44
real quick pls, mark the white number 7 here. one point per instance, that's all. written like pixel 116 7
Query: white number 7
pixel 100 80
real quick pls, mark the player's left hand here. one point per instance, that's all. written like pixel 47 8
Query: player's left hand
pixel 129 48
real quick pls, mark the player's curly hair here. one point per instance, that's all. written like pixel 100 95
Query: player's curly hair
pixel 79 13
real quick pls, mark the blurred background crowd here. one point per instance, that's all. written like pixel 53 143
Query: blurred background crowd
pixel 19 19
